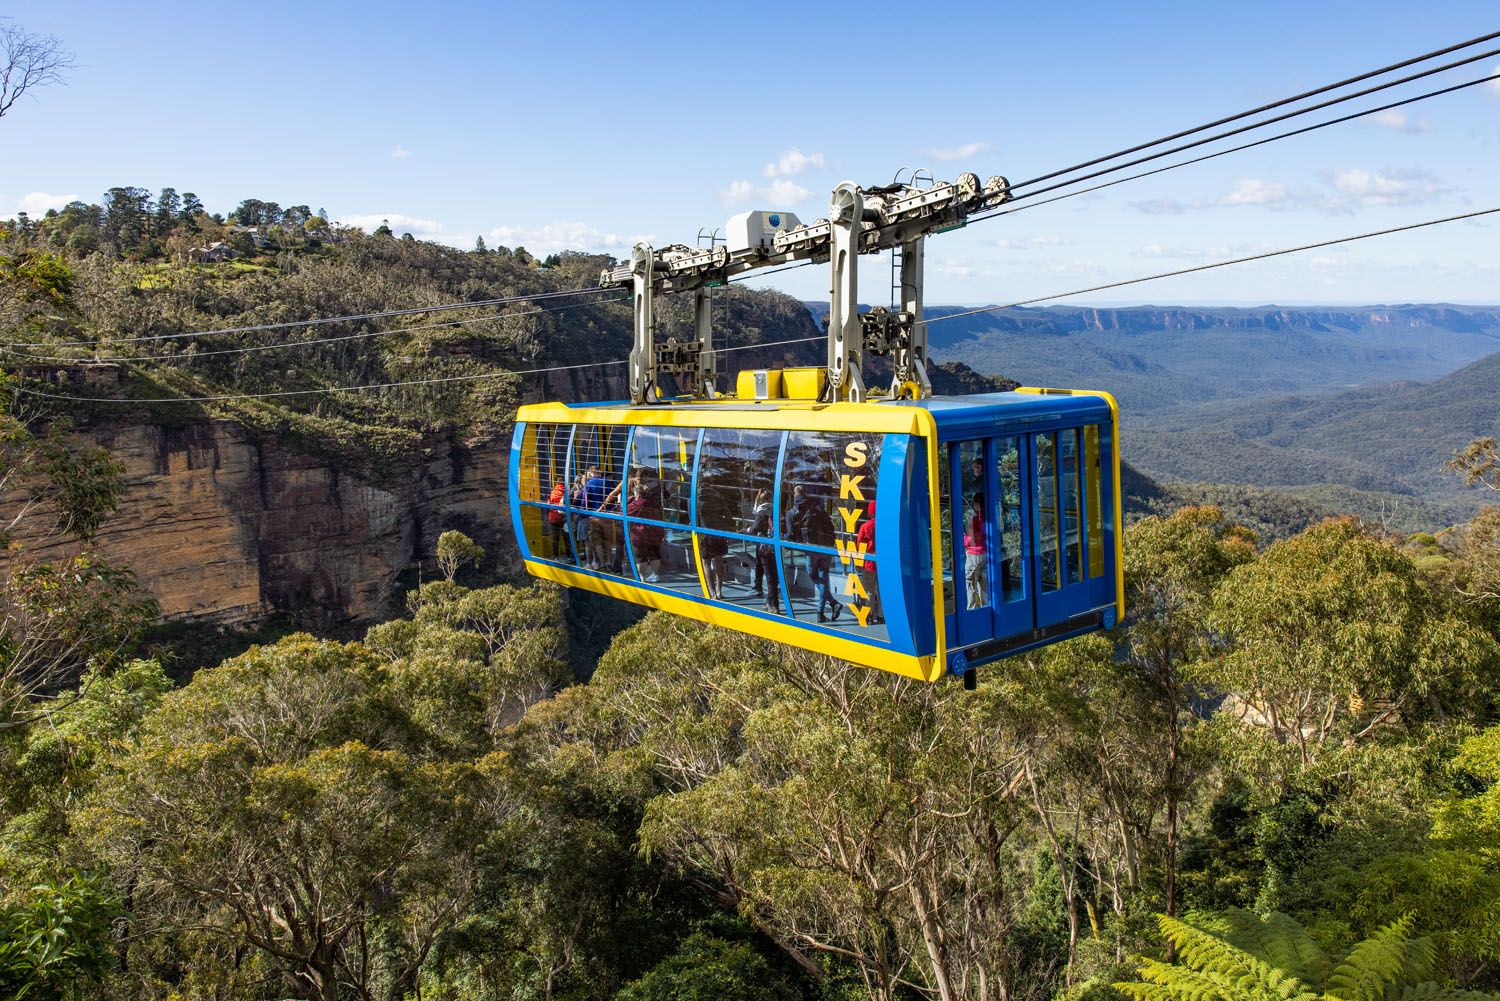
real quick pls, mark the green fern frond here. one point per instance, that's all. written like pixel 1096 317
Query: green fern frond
pixel 1364 971
pixel 1421 961
pixel 1311 962
pixel 1182 983
pixel 1145 992
pixel 1201 950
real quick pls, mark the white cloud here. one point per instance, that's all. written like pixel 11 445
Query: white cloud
pixel 780 193
pixel 422 229
pixel 792 162
pixel 558 236
pixel 738 193
pixel 1494 85
pixel 1399 121
pixel 1033 243
pixel 1218 252
pixel 957 152
pixel 784 192
pixel 1254 191
pixel 1385 187
pixel 400 151
pixel 37 203
pixel 1160 206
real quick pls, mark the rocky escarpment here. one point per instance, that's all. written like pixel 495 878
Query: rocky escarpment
pixel 227 525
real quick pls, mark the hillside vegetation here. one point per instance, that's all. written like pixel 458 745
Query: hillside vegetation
pixel 1277 777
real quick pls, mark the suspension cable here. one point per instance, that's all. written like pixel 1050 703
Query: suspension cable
pixel 1008 209
pixel 1265 107
pixel 747 347
pixel 22 356
pixel 476 377
pixel 1221 264
pixel 384 314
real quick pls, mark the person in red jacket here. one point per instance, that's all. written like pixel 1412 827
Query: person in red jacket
pixel 552 527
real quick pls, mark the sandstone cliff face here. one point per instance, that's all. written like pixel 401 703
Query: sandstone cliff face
pixel 225 525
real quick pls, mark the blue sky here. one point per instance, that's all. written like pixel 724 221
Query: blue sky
pixel 590 125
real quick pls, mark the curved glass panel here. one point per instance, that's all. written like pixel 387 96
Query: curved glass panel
pixel 828 487
pixel 677 566
pixel 736 475
pixel 841 594
pixel 740 572
pixel 662 459
pixel 544 460
pixel 546 533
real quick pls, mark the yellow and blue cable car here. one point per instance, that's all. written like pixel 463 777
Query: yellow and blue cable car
pixel 913 536
pixel 908 532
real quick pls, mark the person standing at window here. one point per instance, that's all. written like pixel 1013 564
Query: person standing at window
pixel 763 524
pixel 646 540
pixel 809 523
pixel 976 565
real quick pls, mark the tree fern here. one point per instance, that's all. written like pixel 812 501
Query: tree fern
pixel 1239 956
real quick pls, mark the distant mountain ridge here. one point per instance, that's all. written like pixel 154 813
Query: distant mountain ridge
pixel 1061 320
pixel 1344 408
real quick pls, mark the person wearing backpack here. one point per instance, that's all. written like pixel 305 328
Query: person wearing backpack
pixel 809 523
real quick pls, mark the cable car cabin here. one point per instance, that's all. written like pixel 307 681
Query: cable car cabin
pixel 916 536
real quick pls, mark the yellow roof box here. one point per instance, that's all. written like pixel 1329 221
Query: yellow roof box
pixel 760 384
pixel 804 383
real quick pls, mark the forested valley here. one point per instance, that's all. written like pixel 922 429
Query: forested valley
pixel 1279 776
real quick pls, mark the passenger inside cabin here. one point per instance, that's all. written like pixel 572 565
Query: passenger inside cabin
pixel 597 496
pixel 552 526
pixel 646 540
pixel 808 522
pixel 976 564
pixel 763 523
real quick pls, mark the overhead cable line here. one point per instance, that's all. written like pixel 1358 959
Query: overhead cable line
pixel 1274 105
pixel 477 377
pixel 385 314
pixel 1221 264
pixel 769 344
pixel 22 356
pixel 1257 125
pixel 1008 209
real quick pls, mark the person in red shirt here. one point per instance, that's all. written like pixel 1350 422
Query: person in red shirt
pixel 976 566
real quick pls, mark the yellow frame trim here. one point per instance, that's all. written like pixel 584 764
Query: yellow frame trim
pixel 920 668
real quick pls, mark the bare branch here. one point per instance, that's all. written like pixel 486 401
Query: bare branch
pixel 30 61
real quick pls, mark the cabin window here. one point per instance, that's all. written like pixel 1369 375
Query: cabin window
pixel 598 456
pixel 663 458
pixel 945 519
pixel 1093 487
pixel 1010 550
pixel 544 460
pixel 1070 494
pixel 828 486
pixel 974 517
pixel 736 473
pixel 1049 562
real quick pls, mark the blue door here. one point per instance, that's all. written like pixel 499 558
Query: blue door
pixel 1070 561
pixel 988 538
